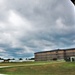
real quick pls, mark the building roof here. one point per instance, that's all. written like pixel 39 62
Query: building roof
pixel 55 50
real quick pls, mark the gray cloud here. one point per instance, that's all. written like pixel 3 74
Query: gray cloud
pixel 28 26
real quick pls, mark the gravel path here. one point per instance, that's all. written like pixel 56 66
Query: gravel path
pixel 4 66
pixel 2 74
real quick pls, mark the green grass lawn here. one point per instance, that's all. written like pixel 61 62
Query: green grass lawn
pixel 39 68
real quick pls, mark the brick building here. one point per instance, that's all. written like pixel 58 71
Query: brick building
pixel 55 54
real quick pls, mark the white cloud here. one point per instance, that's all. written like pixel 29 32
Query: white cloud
pixel 14 28
pixel 6 55
pixel 2 2
pixel 2 50
pixel 74 41
pixel 25 50
pixel 59 24
pixel 17 21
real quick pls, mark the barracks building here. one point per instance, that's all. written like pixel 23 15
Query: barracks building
pixel 57 54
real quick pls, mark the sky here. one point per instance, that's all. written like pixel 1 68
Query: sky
pixel 29 26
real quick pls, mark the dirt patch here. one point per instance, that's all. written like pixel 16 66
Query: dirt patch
pixel 11 69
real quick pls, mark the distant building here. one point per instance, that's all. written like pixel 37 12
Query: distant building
pixel 58 54
pixel 6 60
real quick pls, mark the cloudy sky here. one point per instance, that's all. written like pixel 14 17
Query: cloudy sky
pixel 29 26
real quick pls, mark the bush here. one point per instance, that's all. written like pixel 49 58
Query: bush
pixel 54 59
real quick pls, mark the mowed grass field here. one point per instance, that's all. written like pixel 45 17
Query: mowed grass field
pixel 38 68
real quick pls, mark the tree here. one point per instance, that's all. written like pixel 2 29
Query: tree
pixel 26 59
pixel 1 59
pixel 13 59
pixel 20 58
pixel 32 59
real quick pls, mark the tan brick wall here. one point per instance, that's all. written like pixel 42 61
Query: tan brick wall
pixel 43 56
